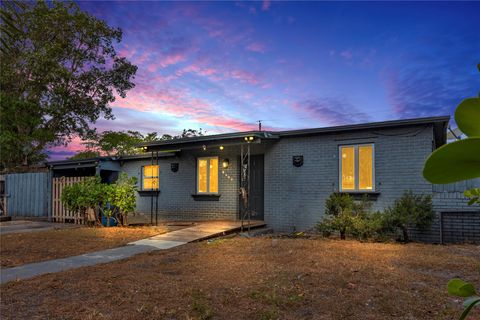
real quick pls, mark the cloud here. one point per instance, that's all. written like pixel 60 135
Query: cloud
pixel 423 84
pixel 330 111
pixel 256 47
pixel 346 54
pixel 266 5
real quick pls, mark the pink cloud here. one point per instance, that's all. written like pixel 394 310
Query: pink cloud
pixel 172 59
pixel 256 47
pixel 266 5
pixel 244 76
pixel 346 54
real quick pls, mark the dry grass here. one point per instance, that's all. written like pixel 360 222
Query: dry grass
pixel 258 278
pixel 20 248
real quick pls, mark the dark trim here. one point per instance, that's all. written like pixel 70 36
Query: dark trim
pixel 206 197
pixel 148 193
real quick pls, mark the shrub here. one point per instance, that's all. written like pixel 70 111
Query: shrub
pixel 354 218
pixel 122 196
pixel 80 196
pixel 116 199
pixel 410 209
pixel 344 215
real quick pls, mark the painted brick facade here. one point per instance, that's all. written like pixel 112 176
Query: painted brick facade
pixel 295 196
pixel 175 201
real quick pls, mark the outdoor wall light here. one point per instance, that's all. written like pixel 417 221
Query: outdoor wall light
pixel 221 148
pixel 204 147
pixel 225 163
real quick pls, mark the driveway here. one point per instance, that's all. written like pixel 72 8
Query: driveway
pixel 21 226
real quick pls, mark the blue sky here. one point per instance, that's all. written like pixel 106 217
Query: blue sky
pixel 222 66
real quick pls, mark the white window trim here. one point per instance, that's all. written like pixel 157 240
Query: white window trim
pixel 208 174
pixel 356 166
pixel 143 176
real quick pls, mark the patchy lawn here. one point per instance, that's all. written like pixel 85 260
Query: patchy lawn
pixel 20 248
pixel 259 278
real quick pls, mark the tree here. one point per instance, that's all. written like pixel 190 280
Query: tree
pixel 86 154
pixel 57 77
pixel 120 143
pixel 9 11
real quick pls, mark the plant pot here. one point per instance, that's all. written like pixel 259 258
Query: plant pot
pixel 113 222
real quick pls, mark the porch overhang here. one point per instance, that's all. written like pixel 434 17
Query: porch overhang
pixel 207 142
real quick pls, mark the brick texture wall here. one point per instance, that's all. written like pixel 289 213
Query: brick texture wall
pixel 175 201
pixel 295 197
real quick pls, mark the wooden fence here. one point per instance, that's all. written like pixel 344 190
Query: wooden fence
pixel 59 212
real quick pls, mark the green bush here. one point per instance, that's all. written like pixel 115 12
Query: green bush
pixel 410 210
pixel 345 216
pixel 116 199
pixel 89 193
pixel 354 218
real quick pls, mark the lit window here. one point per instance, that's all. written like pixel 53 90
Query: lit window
pixel 150 179
pixel 357 168
pixel 207 175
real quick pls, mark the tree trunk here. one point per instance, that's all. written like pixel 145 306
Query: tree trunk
pixel 405 234
pixel 342 234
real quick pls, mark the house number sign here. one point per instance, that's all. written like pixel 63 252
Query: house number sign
pixel 297 161
pixel 174 166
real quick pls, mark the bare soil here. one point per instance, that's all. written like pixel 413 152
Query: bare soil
pixel 257 278
pixel 21 248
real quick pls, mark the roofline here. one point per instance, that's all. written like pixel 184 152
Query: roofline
pixel 362 126
pixel 215 137
pixel 110 158
pixel 440 137
pixel 288 133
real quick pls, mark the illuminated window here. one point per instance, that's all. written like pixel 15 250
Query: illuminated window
pixel 357 168
pixel 150 180
pixel 207 175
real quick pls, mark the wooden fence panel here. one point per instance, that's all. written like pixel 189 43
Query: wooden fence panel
pixel 59 212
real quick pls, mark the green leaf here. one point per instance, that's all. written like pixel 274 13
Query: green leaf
pixel 456 161
pixel 469 304
pixel 467 117
pixel 459 288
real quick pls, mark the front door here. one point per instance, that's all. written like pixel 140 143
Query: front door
pixel 256 188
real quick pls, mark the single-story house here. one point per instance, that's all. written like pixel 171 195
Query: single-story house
pixel 288 175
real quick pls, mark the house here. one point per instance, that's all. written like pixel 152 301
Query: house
pixel 288 175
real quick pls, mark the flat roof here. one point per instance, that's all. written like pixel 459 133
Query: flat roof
pixel 439 122
pixel 171 147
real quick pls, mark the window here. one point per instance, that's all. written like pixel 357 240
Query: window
pixel 357 168
pixel 207 175
pixel 150 179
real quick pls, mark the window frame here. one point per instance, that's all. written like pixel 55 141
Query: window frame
pixel 356 168
pixel 150 177
pixel 198 192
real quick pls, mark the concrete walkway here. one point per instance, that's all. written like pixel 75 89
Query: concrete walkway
pixel 22 226
pixel 165 241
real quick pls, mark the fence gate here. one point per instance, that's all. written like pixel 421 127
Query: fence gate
pixel 59 212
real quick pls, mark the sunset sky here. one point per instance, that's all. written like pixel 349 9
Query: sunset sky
pixel 222 66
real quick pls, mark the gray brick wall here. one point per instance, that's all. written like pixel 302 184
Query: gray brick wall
pixel 295 197
pixel 175 200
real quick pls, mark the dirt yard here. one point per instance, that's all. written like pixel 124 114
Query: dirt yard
pixel 259 278
pixel 20 248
